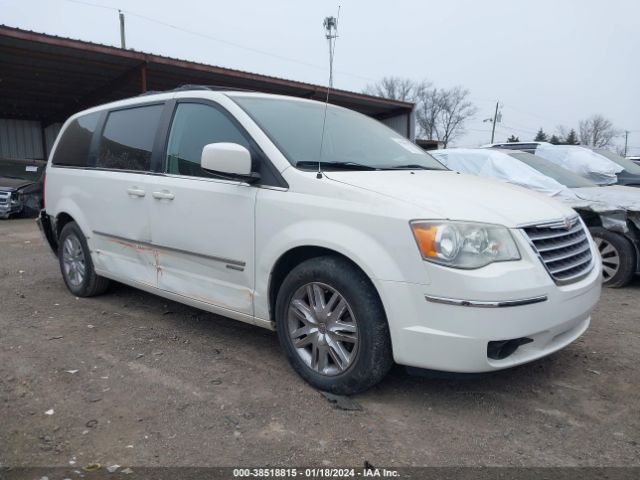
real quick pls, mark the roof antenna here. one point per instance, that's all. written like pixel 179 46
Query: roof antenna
pixel 331 34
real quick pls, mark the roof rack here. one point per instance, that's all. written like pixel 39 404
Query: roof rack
pixel 190 86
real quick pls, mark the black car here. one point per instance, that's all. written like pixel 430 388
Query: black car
pixel 20 187
pixel 630 176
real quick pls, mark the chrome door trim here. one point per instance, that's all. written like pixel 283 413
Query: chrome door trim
pixel 232 264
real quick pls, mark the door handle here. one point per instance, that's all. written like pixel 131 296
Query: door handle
pixel 163 195
pixel 136 192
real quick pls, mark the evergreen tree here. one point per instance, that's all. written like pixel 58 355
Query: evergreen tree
pixel 540 136
pixel 572 138
pixel 554 140
pixel 513 139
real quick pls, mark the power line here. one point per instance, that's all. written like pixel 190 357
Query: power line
pixel 507 127
pixel 215 39
pixel 91 4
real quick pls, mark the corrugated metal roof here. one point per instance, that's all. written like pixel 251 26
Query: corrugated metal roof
pixel 48 77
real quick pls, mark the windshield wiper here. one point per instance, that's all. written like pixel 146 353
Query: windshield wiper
pixel 341 165
pixel 411 166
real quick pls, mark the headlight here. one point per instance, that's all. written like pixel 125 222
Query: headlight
pixel 464 245
pixel 16 199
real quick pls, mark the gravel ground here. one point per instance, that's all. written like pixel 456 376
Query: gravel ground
pixel 133 379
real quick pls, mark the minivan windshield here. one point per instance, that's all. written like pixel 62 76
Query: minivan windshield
pixel 351 140
pixel 550 169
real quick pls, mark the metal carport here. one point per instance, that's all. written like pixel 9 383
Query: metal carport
pixel 46 78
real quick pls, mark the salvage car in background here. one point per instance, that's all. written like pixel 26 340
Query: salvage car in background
pixel 20 187
pixel 612 213
pixel 631 173
pixel 598 165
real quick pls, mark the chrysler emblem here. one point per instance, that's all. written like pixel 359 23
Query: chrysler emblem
pixel 567 223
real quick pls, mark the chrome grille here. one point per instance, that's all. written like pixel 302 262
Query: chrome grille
pixel 4 198
pixel 563 249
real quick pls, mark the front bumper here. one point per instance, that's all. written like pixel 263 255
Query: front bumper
pixel 442 335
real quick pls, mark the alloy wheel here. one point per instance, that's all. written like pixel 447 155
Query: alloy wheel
pixel 322 328
pixel 610 258
pixel 73 260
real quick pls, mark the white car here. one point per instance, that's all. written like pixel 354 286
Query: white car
pixel 349 240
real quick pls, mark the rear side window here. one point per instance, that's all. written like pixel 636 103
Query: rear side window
pixel 73 146
pixel 127 139
pixel 194 126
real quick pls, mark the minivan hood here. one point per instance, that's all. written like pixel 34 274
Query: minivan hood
pixel 454 196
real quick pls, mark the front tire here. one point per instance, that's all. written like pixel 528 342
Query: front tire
pixel 332 326
pixel 618 257
pixel 76 265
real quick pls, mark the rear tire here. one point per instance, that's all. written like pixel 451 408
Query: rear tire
pixel 76 265
pixel 618 257
pixel 332 326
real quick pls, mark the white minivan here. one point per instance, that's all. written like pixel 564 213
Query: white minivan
pixel 352 243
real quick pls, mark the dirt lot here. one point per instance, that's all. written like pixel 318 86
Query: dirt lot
pixel 134 379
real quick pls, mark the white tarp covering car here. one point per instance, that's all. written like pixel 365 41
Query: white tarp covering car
pixel 612 211
pixel 498 165
pixel 582 161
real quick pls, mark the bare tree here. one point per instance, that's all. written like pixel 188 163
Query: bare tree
pixel 563 131
pixel 456 109
pixel 429 105
pixel 395 88
pixel 440 113
pixel 597 131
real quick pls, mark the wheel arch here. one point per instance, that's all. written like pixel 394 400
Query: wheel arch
pixel 66 211
pixel 294 257
pixel 61 220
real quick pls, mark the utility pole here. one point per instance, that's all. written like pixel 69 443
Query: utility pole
pixel 626 137
pixel 495 119
pixel 123 43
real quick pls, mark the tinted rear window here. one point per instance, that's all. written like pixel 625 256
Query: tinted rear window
pixel 73 146
pixel 127 139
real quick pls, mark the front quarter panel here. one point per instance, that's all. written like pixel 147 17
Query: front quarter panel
pixel 366 232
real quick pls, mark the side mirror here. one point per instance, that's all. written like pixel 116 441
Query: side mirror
pixel 228 159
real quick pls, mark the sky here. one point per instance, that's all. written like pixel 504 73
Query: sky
pixel 548 62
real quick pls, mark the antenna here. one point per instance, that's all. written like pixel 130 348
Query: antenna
pixel 331 34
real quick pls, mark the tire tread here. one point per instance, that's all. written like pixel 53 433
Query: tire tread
pixel 627 254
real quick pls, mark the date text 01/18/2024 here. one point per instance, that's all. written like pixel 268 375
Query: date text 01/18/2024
pixel 370 472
